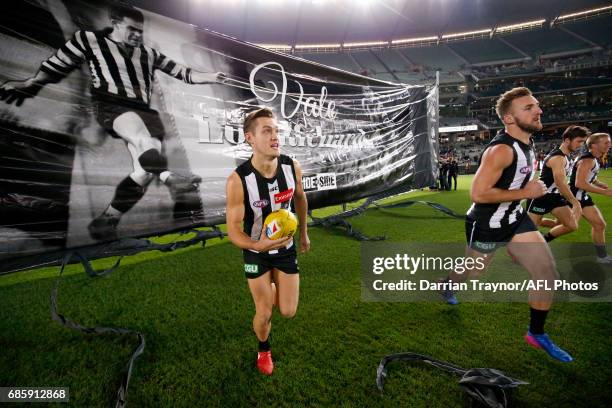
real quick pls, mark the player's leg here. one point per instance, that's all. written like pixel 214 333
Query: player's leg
pixel 548 223
pixel 288 292
pixel 263 295
pixel 131 128
pixel 535 218
pixel 480 244
pixel 598 231
pixel 532 252
pixel 129 191
pixel 567 223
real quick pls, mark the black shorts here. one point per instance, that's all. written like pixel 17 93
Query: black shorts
pixel 257 264
pixel 546 203
pixel 486 240
pixel 107 111
pixel 586 201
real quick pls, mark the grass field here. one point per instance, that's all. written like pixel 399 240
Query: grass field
pixel 195 311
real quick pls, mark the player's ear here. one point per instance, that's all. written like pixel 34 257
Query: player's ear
pixel 508 119
pixel 248 136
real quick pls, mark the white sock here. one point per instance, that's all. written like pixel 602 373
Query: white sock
pixel 163 176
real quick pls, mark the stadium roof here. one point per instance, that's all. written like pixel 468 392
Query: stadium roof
pixel 340 21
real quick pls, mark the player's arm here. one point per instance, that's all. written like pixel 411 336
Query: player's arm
pixel 198 77
pixel 184 73
pixel 582 175
pixel 557 165
pixel 18 91
pixel 70 56
pixel 494 160
pixel 234 215
pixel 301 208
pixel 600 184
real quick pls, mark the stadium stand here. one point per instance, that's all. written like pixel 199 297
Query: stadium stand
pixel 486 51
pixel 596 30
pixel 547 41
pixel 338 60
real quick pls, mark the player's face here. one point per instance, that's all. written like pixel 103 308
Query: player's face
pixel 526 114
pixel 576 144
pixel 264 138
pixel 129 31
pixel 602 146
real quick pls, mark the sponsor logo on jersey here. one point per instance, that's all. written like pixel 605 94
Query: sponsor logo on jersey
pixel 283 196
pixel 526 170
pixel 261 203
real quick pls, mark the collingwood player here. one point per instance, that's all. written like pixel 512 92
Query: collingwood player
pixel 122 70
pixel 266 182
pixel 583 181
pixel 559 200
pixel 504 178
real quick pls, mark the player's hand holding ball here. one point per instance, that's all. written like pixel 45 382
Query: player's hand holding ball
pixel 280 224
pixel 279 227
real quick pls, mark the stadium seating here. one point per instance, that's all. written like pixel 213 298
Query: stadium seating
pixel 546 41
pixel 597 30
pixel 489 50
pixel 338 60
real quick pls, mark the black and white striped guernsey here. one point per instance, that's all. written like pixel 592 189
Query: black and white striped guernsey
pixel 581 194
pixel 547 174
pixel 263 195
pixel 513 177
pixel 115 71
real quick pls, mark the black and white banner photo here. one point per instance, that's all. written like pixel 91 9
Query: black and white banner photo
pixel 116 122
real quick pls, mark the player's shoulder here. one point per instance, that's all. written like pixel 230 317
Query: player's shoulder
pixel 234 179
pixel 499 149
pixel 243 169
pixel 585 156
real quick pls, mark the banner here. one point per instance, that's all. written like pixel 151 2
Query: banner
pixel 116 124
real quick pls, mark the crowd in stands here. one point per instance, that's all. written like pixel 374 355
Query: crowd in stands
pixel 558 114
pixel 540 65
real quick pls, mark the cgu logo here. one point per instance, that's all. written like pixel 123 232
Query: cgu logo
pixel 283 196
pixel 260 203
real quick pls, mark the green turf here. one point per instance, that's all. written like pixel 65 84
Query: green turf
pixel 195 311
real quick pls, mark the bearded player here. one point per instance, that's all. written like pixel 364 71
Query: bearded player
pixel 559 199
pixel 496 218
pixel 268 181
pixel 583 181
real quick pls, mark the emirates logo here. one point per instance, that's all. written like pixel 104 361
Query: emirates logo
pixel 283 196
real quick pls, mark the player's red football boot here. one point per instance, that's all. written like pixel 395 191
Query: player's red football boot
pixel 265 365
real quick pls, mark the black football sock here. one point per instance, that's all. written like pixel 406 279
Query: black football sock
pixel 538 318
pixel 549 237
pixel 264 345
pixel 601 251
pixel 127 194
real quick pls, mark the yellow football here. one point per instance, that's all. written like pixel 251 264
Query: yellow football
pixel 280 223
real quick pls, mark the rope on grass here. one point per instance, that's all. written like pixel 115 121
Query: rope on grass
pixel 97 330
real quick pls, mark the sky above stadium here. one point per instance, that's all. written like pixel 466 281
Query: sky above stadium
pixel 339 21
